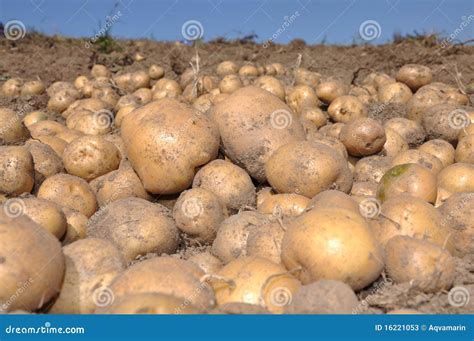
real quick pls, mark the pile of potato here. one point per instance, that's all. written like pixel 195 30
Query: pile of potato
pixel 251 189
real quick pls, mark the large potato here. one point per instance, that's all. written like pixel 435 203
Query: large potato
pixel 253 124
pixel 165 141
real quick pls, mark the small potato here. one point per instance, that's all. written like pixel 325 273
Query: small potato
pixel 229 182
pixel 423 264
pixel 136 227
pixel 346 108
pixel 265 242
pixel 11 128
pixel 90 156
pixel 363 137
pixel 32 264
pixel 70 191
pixel 122 113
pixel 465 150
pixel 99 70
pixel 328 90
pixel 395 143
pixel 139 79
pixel 332 243
pixel 410 130
pixel 92 104
pixel 166 275
pixel 46 161
pixel 272 85
pixel 333 198
pixel 307 168
pixel 17 174
pixel 33 88
pixel 423 99
pixel 80 82
pixel 248 71
pixel 410 178
pixel 417 156
pixel 301 97
pixel 394 93
pixel 208 263
pixel 62 99
pixel 34 117
pixel 306 77
pixel 106 94
pixel 231 239
pixel 156 72
pixel 230 84
pixel 332 130
pixel 257 281
pixel 442 149
pixel 377 80
pixel 76 225
pixel 144 95
pixel 456 178
pixel 325 296
pixel 415 76
pixel 91 266
pixel 198 213
pixel 227 67
pixel 313 118
pixel 46 214
pixel 283 205
pixel 439 122
pixel 371 168
pixel 12 87
pixel 59 86
pixel 91 123
pixel 46 128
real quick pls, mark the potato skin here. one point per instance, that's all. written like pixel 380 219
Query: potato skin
pixel 46 214
pixel 91 265
pixel 16 171
pixel 319 243
pixel 136 227
pixel 253 124
pixel 12 129
pixel 363 137
pixel 25 248
pixel 165 141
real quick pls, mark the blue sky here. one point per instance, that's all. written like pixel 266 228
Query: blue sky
pixel 336 21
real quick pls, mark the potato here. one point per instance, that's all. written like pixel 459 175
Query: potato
pixel 325 296
pixel 332 243
pixel 33 117
pixel 166 275
pixel 118 184
pixel 46 161
pixel 229 182
pixel 106 94
pixel 371 168
pixel 91 266
pixel 394 144
pixel 272 85
pixel 306 77
pixel 406 215
pixel 307 168
pixel 46 214
pixel 411 131
pixel 456 178
pixel 144 95
pixel 283 205
pixel 69 135
pixel 76 225
pixel 231 239
pixel 239 114
pixel 32 266
pixel 230 84
pixel 410 178
pixel 70 191
pixel 328 90
pixel 458 212
pixel 11 128
pixel 301 97
pixel 62 99
pixel 136 226
pixel 226 67
pixel 415 76
pixel 465 150
pixel 59 86
pixel 198 213
pixel 333 198
pixel 155 71
pixel 80 82
pixel 16 171
pixel 149 303
pixel 441 149
pixel 208 263
pixel 165 141
pixel 91 123
pixel 248 71
pixel 394 93
pixel 439 122
pixel 332 130
pixel 55 143
pixel 313 118
pixel 90 156
pixel 257 281
pixel 417 156
pixel 363 137
pixel 265 242
pixel 377 80
pixel 99 70
pixel 12 87
pixel 346 108
pixel 425 265
pixel 422 100
pixel 33 88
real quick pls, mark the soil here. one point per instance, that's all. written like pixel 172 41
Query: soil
pixel 57 58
